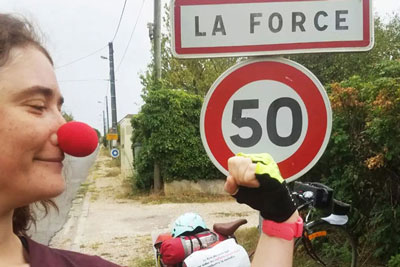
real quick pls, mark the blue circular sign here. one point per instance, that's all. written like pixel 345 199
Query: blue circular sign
pixel 115 153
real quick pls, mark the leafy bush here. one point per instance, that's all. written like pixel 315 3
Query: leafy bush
pixel 394 261
pixel 362 159
pixel 168 129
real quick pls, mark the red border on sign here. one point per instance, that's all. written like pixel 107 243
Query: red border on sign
pixel 259 48
pixel 276 71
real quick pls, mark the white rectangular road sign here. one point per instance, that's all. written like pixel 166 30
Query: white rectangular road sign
pixel 218 28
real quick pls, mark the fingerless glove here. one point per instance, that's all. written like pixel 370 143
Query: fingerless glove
pixel 272 198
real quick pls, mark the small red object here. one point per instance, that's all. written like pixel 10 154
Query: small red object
pixel 175 250
pixel 77 139
pixel 283 230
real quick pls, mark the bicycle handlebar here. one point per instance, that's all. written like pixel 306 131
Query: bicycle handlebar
pixel 319 196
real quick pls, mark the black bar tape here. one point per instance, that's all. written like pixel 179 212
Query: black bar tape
pixel 272 198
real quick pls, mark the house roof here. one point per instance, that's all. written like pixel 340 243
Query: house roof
pixel 128 116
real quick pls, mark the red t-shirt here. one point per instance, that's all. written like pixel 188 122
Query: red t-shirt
pixel 43 256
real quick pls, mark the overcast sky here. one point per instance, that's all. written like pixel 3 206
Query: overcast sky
pixel 76 28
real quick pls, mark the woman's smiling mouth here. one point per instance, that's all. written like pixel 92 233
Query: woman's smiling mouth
pixel 51 161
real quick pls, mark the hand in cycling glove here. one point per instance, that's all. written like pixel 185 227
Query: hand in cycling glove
pixel 259 184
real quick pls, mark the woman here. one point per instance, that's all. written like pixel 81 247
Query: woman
pixel 30 159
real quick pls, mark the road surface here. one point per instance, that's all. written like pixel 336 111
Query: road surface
pixel 76 171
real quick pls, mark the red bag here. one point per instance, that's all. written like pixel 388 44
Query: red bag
pixel 160 239
pixel 175 250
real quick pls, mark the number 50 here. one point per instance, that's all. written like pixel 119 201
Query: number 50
pixel 272 131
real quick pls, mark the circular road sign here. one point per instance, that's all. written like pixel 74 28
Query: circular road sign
pixel 271 105
pixel 115 153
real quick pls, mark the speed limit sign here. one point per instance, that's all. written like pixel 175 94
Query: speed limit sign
pixel 269 105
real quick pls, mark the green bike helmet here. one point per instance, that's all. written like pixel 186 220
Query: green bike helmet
pixel 188 222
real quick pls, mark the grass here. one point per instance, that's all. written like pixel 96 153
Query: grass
pixel 160 198
pixel 113 163
pixel 146 258
pixel 232 214
pixel 94 196
pixel 96 165
pixel 104 151
pixel 83 189
pixel 248 238
pixel 126 192
pixel 119 238
pixel 105 254
pixel 112 172
pixel 146 261
pixel 155 199
pixel 95 245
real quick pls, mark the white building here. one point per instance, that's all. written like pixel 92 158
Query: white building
pixel 126 146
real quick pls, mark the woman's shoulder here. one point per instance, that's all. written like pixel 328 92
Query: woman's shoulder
pixel 41 255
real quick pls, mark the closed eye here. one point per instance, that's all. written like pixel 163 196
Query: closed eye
pixel 38 108
pixel 36 105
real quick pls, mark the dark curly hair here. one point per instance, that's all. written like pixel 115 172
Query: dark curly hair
pixel 18 32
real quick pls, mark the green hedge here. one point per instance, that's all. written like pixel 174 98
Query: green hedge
pixel 394 261
pixel 168 129
pixel 362 160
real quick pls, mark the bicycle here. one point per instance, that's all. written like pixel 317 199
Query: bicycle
pixel 221 231
pixel 325 240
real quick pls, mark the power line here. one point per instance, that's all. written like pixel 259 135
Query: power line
pixel 133 31
pixel 81 58
pixel 119 23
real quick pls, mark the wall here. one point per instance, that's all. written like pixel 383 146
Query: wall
pixel 126 147
pixel 202 186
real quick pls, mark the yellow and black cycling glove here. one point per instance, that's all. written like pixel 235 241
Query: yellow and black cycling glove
pixel 272 198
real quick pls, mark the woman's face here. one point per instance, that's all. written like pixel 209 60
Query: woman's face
pixel 30 103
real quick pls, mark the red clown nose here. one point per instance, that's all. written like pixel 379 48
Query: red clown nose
pixel 77 139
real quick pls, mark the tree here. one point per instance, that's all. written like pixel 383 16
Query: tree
pixel 191 75
pixel 336 67
pixel 67 116
pixel 98 133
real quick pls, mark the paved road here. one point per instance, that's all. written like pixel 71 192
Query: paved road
pixel 76 170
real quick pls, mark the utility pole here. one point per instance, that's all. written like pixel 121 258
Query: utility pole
pixel 108 121
pixel 157 39
pixel 157 73
pixel 112 87
pixel 104 125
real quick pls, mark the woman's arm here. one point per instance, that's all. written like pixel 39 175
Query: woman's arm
pixel 271 251
pixel 274 251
